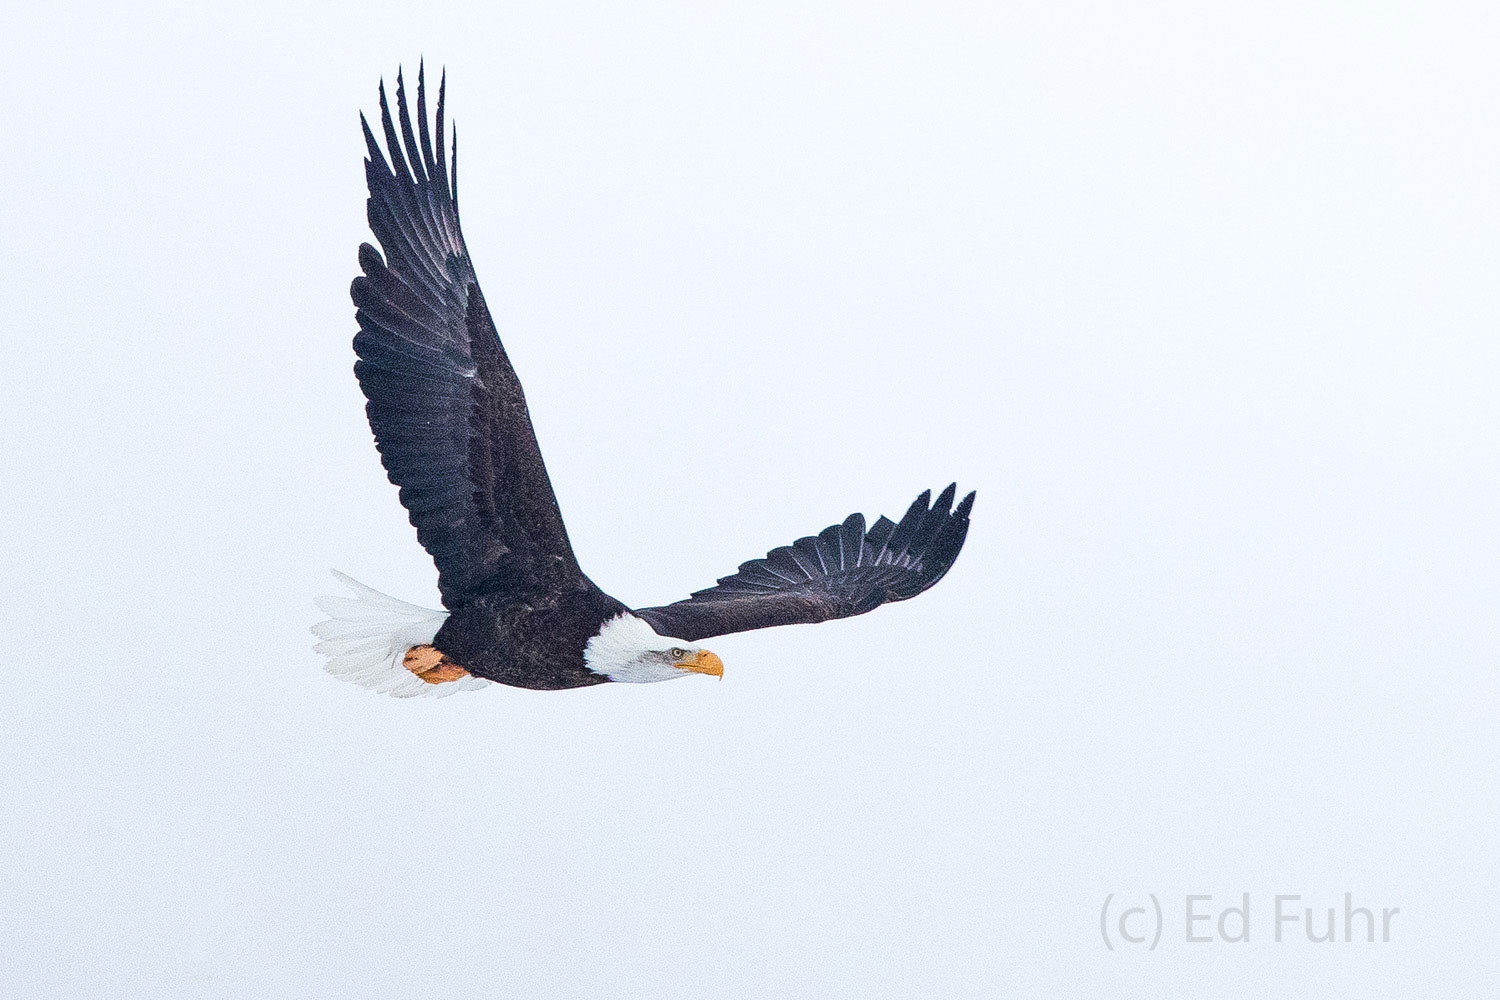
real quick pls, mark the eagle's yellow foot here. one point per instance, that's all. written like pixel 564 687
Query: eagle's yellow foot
pixel 431 665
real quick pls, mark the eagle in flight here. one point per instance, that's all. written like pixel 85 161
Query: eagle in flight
pixel 451 424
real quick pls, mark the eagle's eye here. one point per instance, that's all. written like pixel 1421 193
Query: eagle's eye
pixel 677 652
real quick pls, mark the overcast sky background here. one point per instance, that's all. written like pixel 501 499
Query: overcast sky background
pixel 1202 300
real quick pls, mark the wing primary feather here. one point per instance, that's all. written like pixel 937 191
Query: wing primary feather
pixel 421 239
pixel 805 551
pixel 785 561
pixel 425 135
pixel 381 294
pixel 931 522
pixel 852 539
pixel 811 545
pixel 442 163
pixel 376 155
pixel 877 536
pixel 393 144
pixel 896 547
pixel 437 179
pixel 370 259
pixel 396 233
pixel 424 216
pixel 828 543
pixel 409 141
pixel 754 571
pixel 765 566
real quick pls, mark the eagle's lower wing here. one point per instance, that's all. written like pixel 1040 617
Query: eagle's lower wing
pixel 843 571
pixel 447 410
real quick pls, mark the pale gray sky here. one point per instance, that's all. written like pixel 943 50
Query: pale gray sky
pixel 1202 300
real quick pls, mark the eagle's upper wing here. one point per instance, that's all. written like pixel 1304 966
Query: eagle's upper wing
pixel 844 570
pixel 447 410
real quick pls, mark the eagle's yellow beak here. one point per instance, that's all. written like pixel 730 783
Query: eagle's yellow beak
pixel 703 662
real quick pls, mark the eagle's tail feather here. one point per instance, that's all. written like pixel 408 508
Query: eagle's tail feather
pixel 366 637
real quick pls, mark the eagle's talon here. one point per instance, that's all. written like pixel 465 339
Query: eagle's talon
pixel 432 665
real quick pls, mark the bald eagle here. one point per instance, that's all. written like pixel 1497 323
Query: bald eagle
pixel 454 434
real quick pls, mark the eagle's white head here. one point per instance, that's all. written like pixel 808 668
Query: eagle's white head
pixel 627 649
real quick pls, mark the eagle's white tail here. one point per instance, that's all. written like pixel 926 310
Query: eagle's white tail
pixel 366 636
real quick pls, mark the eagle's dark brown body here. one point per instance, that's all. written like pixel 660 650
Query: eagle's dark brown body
pixel 532 641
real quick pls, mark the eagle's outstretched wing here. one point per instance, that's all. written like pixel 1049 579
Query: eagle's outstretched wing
pixel 447 410
pixel 842 571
